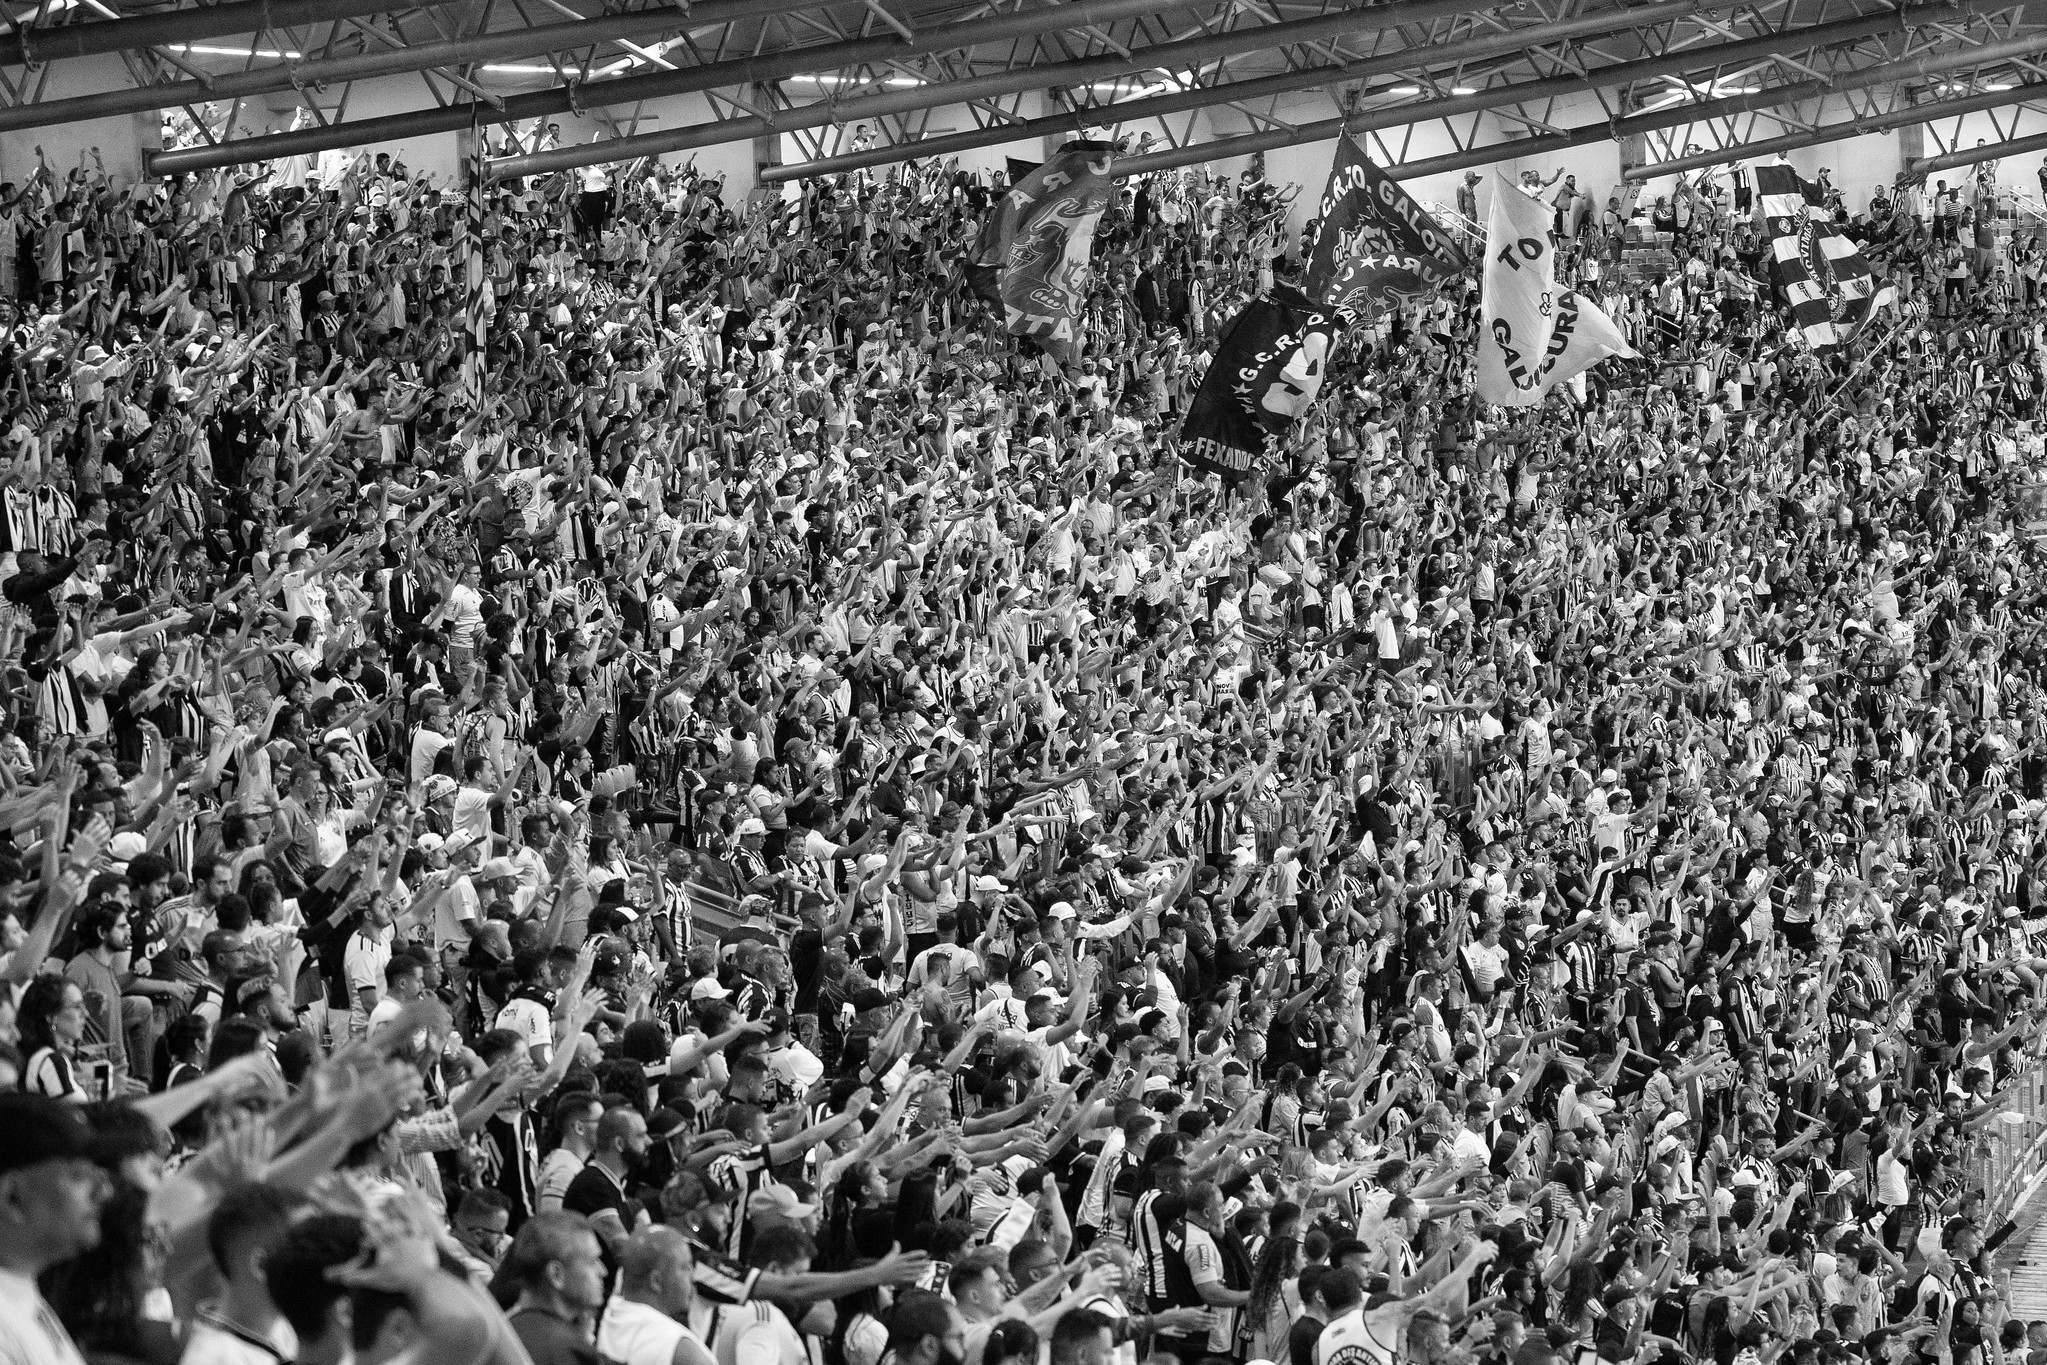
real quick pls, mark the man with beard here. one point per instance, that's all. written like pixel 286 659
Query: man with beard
pixel 926 1330
pixel 599 1190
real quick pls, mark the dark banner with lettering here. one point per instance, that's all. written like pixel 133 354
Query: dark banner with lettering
pixel 1375 244
pixel 1047 238
pixel 1267 369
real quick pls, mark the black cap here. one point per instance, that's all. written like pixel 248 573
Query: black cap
pixel 35 1129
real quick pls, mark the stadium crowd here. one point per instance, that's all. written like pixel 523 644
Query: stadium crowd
pixel 793 830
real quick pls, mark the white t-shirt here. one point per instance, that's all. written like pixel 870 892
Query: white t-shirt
pixel 426 747
pixel 217 1341
pixel 472 813
pixel 30 1333
pixel 464 616
pixel 757 1333
pixel 1205 1266
pixel 560 1167
pixel 363 963
pixel 1359 1338
pixel 532 1022
pixel 460 905
pixel 389 1008
pixel 948 965
pixel 640 1334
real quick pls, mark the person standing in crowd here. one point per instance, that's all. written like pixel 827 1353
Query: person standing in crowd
pixel 794 804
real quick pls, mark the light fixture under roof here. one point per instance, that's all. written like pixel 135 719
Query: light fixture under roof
pixel 1405 90
pixel 1464 90
pixel 204 50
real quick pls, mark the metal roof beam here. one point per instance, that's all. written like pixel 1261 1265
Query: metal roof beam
pixel 1169 55
pixel 1675 116
pixel 191 24
pixel 1682 62
pixel 529 41
pixel 2017 146
pixel 1840 132
pixel 755 70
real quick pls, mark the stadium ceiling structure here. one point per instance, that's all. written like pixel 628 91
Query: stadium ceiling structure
pixel 1699 82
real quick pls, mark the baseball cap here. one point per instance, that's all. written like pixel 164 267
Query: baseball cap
pixel 35 1129
pixel 1061 910
pixel 778 1201
pixel 496 869
pixel 439 787
pixel 709 989
pixel 750 825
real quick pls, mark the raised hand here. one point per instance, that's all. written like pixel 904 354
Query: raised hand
pixel 401 1251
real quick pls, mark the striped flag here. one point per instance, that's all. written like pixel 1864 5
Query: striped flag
pixel 1827 280
pixel 476 304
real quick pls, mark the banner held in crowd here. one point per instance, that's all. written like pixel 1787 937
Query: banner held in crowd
pixel 1533 335
pixel 1268 368
pixel 1044 236
pixel 1825 276
pixel 476 291
pixel 1375 243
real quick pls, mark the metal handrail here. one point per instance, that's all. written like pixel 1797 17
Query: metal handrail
pixel 2009 1155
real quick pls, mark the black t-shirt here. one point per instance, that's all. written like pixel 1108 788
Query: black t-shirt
pixel 551 1341
pixel 593 1191
pixel 1301 1339
pixel 806 965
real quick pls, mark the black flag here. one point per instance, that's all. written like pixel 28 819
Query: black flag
pixel 1375 243
pixel 1267 369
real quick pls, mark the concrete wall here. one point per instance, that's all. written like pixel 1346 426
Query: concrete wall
pixel 121 140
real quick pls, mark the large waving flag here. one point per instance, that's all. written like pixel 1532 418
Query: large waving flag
pixel 1040 238
pixel 1536 336
pixel 1268 367
pixel 1375 244
pixel 476 291
pixel 1826 278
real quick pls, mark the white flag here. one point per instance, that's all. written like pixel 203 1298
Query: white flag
pixel 1536 336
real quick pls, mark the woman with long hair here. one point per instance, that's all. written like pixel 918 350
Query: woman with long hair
pixel 1275 1284
pixel 859 1186
pixel 52 1020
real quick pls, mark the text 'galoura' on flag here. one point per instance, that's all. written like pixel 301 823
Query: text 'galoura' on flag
pixel 1535 335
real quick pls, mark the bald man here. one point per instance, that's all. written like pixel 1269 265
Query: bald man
pixel 643 1323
